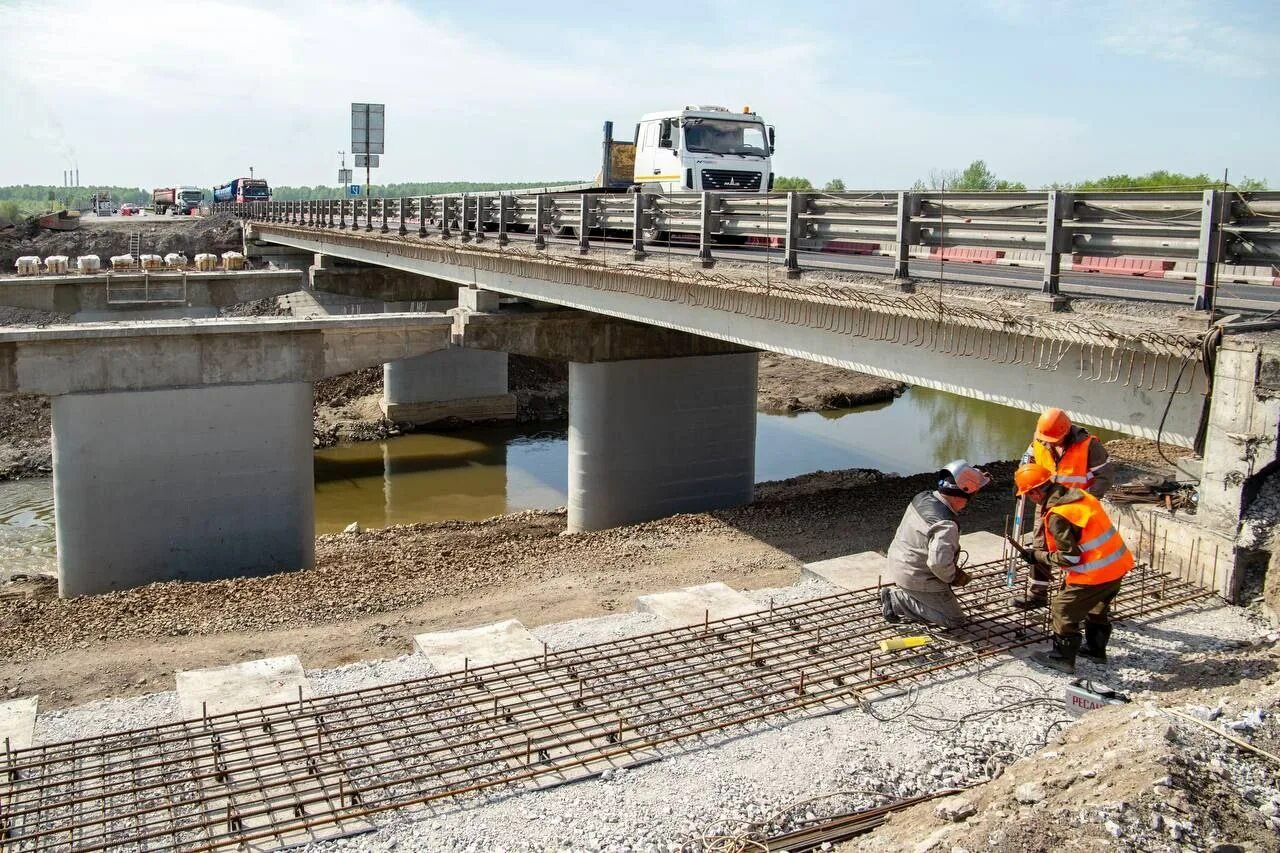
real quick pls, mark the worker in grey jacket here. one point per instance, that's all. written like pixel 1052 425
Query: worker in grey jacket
pixel 923 554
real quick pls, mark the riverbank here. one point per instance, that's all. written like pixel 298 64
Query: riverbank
pixel 371 591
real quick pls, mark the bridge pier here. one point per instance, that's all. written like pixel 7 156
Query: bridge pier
pixel 182 484
pixel 657 436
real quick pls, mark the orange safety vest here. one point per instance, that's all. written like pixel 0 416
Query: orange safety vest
pixel 1103 555
pixel 1072 470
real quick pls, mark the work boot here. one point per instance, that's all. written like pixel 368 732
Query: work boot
pixel 1062 656
pixel 886 607
pixel 1096 635
pixel 1030 600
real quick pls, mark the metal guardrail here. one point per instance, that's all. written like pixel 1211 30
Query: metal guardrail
pixel 1210 228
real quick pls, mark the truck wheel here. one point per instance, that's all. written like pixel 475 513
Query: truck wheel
pixel 563 231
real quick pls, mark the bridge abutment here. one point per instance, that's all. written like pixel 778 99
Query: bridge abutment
pixel 182 484
pixel 654 437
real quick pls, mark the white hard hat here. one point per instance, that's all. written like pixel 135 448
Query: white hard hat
pixel 962 478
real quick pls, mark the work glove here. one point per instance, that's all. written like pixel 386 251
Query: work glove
pixel 1041 557
pixel 961 578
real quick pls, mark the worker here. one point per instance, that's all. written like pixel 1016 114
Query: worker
pixel 1076 536
pixel 1075 458
pixel 923 555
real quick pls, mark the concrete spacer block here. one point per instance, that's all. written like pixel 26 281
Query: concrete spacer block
pixel 241 686
pixel 694 604
pixel 476 647
pixel 1046 303
pixel 852 571
pixel 18 722
pixel 983 547
pixel 475 299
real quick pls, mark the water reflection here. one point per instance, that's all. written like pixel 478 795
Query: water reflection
pixel 490 471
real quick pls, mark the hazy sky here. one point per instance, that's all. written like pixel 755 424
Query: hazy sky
pixel 156 92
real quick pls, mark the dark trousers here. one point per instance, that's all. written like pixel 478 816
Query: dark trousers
pixel 1077 602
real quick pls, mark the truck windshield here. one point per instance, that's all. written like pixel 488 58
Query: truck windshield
pixel 251 191
pixel 191 195
pixel 720 136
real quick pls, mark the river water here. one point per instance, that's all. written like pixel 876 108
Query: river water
pixel 489 471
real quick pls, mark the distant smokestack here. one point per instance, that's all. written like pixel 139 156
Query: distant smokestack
pixel 77 176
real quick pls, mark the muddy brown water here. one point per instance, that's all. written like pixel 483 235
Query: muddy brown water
pixel 489 471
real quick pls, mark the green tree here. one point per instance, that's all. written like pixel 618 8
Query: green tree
pixel 835 185
pixel 782 184
pixel 976 177
pixel 1160 180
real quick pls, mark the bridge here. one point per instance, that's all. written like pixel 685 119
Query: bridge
pixel 186 445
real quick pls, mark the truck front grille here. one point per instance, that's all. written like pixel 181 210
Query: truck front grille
pixel 730 180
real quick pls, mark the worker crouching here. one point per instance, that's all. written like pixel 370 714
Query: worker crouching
pixel 923 555
pixel 1076 536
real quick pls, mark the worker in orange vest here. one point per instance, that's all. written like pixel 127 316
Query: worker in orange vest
pixel 1076 459
pixel 1076 536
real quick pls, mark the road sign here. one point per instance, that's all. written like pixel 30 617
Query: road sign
pixel 344 176
pixel 367 161
pixel 368 128
pixel 354 189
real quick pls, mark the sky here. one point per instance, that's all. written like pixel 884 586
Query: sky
pixel 154 93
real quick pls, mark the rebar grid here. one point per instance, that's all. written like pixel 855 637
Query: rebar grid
pixel 303 770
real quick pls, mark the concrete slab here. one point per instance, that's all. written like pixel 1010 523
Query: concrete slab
pixel 451 651
pixel 694 604
pixel 252 684
pixel 852 571
pixel 18 722
pixel 982 547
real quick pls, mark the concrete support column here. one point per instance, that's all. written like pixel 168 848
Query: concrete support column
pixel 186 483
pixel 654 437
pixel 454 384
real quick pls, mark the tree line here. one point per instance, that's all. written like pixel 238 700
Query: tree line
pixel 288 193
pixel 978 177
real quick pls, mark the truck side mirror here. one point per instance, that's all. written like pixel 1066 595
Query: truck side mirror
pixel 772 142
pixel 664 134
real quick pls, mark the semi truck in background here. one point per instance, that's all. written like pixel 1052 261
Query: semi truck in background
pixel 179 200
pixel 697 147
pixel 241 190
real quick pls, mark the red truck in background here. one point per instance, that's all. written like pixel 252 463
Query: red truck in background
pixel 181 200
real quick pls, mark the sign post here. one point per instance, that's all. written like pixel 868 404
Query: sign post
pixel 368 129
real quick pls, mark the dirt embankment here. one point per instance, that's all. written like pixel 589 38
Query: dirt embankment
pixel 790 385
pixel 160 235
pixel 371 591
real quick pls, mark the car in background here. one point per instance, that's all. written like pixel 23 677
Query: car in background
pixel 129 209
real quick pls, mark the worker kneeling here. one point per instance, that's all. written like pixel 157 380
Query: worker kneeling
pixel 1076 536
pixel 922 556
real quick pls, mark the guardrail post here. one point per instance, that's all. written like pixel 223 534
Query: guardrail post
pixel 794 206
pixel 705 226
pixel 584 223
pixel 424 211
pixel 638 203
pixel 444 217
pixel 463 222
pixel 1210 251
pixel 904 234
pixel 368 214
pixel 1053 243
pixel 540 222
pixel 481 201
pixel 382 209
pixel 504 211
pixel 342 213
pixel 403 229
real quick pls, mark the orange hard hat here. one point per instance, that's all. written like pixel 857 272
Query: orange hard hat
pixel 1030 475
pixel 1053 426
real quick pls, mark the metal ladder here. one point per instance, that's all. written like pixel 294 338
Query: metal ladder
pixel 135 244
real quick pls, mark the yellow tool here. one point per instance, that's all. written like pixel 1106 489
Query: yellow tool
pixel 899 643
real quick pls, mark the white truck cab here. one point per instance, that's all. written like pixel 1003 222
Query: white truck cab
pixel 703 148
